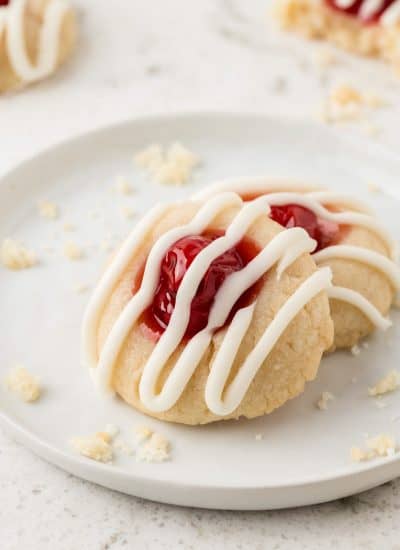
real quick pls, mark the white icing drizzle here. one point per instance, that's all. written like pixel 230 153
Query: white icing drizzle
pixel 364 255
pixel 357 300
pixel 12 23
pixel 371 8
pixel 314 200
pixel 281 251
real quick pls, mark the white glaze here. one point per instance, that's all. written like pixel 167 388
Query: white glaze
pixel 357 300
pixel 370 8
pixel 315 199
pixel 281 251
pixel 12 22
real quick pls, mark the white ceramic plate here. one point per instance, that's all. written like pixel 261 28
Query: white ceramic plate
pixel 303 457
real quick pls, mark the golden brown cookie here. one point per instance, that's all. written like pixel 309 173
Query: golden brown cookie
pixel 344 27
pixel 287 303
pixel 36 37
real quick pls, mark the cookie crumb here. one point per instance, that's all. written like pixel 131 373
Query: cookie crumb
pixel 112 430
pixel 68 227
pixel 258 437
pixel 323 401
pixel 378 446
pixel 48 210
pixel 171 166
pixel 80 288
pixel 128 212
pixel 142 433
pixel 96 447
pixel 355 350
pixel 156 449
pixel 387 384
pixel 123 187
pixel 72 251
pixel 23 384
pixel 15 256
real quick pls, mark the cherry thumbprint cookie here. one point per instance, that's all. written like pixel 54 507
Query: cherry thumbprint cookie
pixel 210 310
pixel 365 27
pixel 36 37
pixel 347 238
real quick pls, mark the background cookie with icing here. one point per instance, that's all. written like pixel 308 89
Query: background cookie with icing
pixel 348 239
pixel 366 27
pixel 36 37
pixel 209 311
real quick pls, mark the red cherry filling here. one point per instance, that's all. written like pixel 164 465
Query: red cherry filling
pixel 354 10
pixel 4 2
pixel 292 215
pixel 175 264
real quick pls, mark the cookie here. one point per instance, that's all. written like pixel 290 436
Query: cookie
pixel 36 37
pixel 209 311
pixel 359 26
pixel 348 239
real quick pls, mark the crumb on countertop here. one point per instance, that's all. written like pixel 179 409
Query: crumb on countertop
pixel 388 383
pixel 23 384
pixel 355 350
pixel 15 256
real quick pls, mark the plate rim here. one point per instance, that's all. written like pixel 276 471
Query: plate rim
pixel 72 462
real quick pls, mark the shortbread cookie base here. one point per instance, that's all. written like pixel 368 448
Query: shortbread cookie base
pixel 350 323
pixel 293 361
pixel 314 20
pixel 33 24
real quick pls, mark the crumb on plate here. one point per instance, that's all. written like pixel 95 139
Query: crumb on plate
pixel 15 256
pixel 23 384
pixel 388 383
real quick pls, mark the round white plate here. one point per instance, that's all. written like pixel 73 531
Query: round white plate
pixel 303 456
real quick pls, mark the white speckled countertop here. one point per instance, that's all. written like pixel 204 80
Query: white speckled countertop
pixel 141 57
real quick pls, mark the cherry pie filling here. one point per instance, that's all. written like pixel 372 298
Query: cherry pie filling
pixel 154 321
pixel 355 10
pixel 4 2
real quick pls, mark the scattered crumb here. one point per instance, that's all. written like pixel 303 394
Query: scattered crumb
pixel 380 404
pixel 122 447
pixel 387 384
pixel 123 187
pixel 48 210
pixel 22 383
pixel 173 165
pixel 112 430
pixel 344 95
pixel 322 403
pixel 106 245
pixel 94 214
pixel 80 288
pixel 68 227
pixel 97 447
pixel 128 212
pixel 324 58
pixel 13 255
pixel 72 251
pixel 347 104
pixel 379 446
pixel 370 129
pixel 142 433
pixel 259 437
pixel 355 350
pixel 156 449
